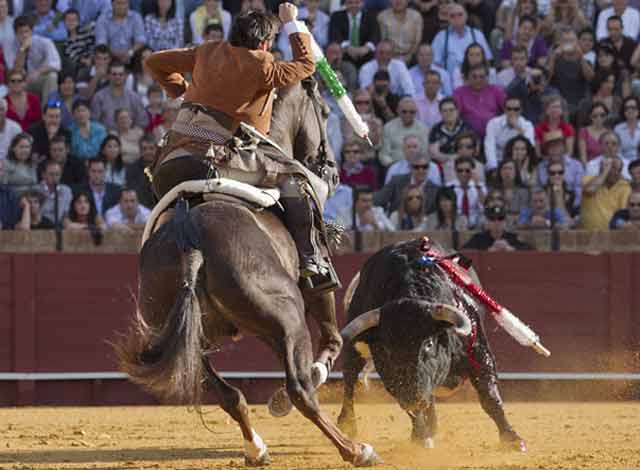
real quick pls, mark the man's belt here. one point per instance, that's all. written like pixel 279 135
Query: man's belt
pixel 223 119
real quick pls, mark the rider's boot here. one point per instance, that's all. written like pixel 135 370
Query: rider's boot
pixel 298 217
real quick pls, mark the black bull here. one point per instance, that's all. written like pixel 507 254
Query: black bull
pixel 411 320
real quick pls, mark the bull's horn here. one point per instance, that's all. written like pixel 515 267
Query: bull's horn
pixel 453 315
pixel 360 324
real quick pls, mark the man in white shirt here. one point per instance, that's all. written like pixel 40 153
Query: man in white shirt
pixel 630 19
pixel 8 130
pixel 368 218
pixel 429 104
pixel 401 83
pixel 501 129
pixel 424 57
pixel 470 193
pixel 128 213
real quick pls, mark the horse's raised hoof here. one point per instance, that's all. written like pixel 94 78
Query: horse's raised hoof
pixel 511 441
pixel 261 461
pixel 279 404
pixel 348 426
pixel 319 374
pixel 367 457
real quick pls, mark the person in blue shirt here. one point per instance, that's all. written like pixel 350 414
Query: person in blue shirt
pixel 539 215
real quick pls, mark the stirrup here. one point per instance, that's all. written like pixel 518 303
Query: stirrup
pixel 321 283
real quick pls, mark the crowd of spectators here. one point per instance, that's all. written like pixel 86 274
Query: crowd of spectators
pixel 492 116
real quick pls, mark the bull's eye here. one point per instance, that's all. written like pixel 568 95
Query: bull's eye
pixel 428 345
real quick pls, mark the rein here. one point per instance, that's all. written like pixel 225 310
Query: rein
pixel 309 84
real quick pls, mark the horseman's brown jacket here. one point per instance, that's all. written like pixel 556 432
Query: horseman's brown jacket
pixel 235 80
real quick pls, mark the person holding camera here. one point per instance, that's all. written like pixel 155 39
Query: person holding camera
pixel 532 90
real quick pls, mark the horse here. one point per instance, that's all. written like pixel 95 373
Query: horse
pixel 224 269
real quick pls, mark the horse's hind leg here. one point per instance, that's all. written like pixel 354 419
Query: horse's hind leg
pixel 297 356
pixel 323 310
pixel 234 403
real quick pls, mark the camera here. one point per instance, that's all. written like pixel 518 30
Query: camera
pixel 536 79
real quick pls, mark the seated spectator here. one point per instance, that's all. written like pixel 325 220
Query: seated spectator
pixel 22 107
pixel 412 149
pixel 528 38
pixel 135 177
pixel 45 130
pixel 32 219
pixel 155 98
pixel 210 12
pixel 634 172
pixel 90 10
pixel 111 153
pixel 473 55
pixel 79 43
pixel 467 145
pixel 47 21
pixel 394 132
pixel 478 101
pixel 424 59
pixel 170 108
pixel 589 136
pixel 503 128
pixel 495 237
pixel 20 167
pixel 213 33
pixel 7 35
pixel 36 54
pixel 402 27
pixel 628 15
pixel 116 96
pixel 518 9
pixel 121 29
pixel 606 63
pixel 629 218
pixel 603 195
pixel 560 195
pixel 517 68
pixel 428 104
pixel 86 135
pixel 102 195
pixel 10 209
pixel 356 30
pixel 400 82
pixel 385 102
pixel 389 196
pixel 8 128
pixel 520 150
pixel 532 91
pixel 495 198
pixel 602 87
pixel 364 106
pixel 53 189
pixel 555 150
pixel 129 136
pixel 515 193
pixel 623 46
pixel 446 216
pixel 84 216
pixel 565 15
pixel 74 171
pixel 128 214
pixel 367 217
pixel 334 56
pixel 96 76
pixel 470 192
pixel 555 119
pixel 610 144
pixel 353 171
pixel 341 201
pixel 410 215
pixel 629 129
pixel 587 41
pixel 65 95
pixel 139 80
pixel 540 216
pixel 443 135
pixel 569 71
pixel 450 44
pixel 164 29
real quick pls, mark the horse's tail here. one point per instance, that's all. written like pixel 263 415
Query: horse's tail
pixel 168 360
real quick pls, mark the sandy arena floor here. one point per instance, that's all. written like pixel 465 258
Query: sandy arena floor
pixel 562 436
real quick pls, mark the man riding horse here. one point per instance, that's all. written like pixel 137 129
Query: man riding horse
pixel 232 83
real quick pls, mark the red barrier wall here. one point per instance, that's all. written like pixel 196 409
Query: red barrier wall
pixel 58 312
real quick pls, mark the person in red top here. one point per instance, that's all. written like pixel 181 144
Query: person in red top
pixel 22 106
pixel 353 172
pixel 553 119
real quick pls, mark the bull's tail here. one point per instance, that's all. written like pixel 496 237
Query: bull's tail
pixel 168 360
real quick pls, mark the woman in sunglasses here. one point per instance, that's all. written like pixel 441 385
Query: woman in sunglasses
pixel 589 136
pixel 411 213
pixel 559 194
pixel 629 129
pixel 22 106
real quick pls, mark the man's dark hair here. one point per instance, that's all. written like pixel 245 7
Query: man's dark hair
pixel 80 102
pixel 58 139
pixel 447 100
pixel 95 160
pixel 634 164
pixel 465 159
pixel 465 135
pixel 116 63
pixel 22 20
pixel 361 189
pixel 212 27
pixel 519 50
pixel 616 18
pixel 71 11
pixel 35 194
pixel 252 28
pixel 102 49
pixel 530 19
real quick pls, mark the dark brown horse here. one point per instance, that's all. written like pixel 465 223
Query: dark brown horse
pixel 227 268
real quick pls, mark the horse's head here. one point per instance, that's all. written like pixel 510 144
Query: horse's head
pixel 299 126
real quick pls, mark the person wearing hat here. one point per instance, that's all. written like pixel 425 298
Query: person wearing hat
pixel 495 236
pixel 554 148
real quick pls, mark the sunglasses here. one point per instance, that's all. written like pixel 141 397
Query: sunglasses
pixel 16 80
pixel 420 167
pixel 513 108
pixel 556 173
pixel 598 115
pixel 634 204
pixel 362 101
pixel 463 170
pixel 495 218
pixel 408 111
pixel 411 198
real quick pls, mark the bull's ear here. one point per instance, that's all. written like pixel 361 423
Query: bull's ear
pixel 360 324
